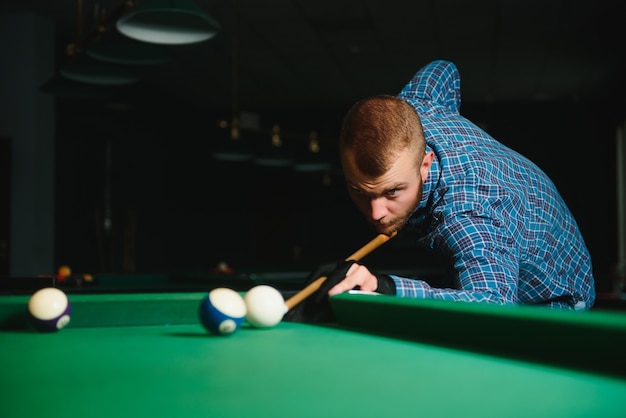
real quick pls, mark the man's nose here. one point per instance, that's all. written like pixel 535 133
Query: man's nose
pixel 378 209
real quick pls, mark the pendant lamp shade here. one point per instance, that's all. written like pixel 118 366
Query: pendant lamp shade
pixel 274 154
pixel 233 148
pixel 312 159
pixel 273 157
pixel 85 70
pixel 62 87
pixel 310 163
pixel 233 151
pixel 168 22
pixel 129 52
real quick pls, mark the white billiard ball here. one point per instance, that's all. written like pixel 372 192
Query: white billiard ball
pixel 49 309
pixel 266 306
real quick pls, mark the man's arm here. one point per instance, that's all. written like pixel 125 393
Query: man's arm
pixel 485 260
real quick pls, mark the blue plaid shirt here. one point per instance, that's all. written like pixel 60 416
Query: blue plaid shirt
pixel 501 220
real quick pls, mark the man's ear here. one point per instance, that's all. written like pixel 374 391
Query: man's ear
pixel 426 163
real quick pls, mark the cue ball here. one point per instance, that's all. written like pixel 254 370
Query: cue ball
pixel 222 311
pixel 266 306
pixel 49 309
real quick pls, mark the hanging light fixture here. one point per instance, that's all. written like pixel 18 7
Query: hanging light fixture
pixel 312 159
pixel 83 69
pixel 274 154
pixel 233 149
pixel 169 22
pixel 128 52
pixel 112 47
pixel 62 87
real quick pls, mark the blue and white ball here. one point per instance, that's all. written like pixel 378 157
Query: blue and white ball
pixel 222 311
pixel 49 309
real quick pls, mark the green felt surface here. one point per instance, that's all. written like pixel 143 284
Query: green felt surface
pixel 290 370
pixel 129 355
pixel 588 340
pixel 112 309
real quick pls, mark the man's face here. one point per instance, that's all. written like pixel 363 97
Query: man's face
pixel 388 201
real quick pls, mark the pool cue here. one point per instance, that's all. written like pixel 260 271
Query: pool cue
pixel 359 254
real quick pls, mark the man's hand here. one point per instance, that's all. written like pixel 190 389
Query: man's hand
pixel 357 276
pixel 340 277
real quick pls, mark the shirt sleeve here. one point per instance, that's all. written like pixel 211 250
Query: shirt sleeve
pixel 484 258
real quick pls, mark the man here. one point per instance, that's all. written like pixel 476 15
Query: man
pixel 413 162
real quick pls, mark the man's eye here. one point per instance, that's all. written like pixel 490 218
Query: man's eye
pixel 392 192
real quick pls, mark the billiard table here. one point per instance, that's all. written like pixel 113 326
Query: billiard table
pixel 146 355
pixel 240 280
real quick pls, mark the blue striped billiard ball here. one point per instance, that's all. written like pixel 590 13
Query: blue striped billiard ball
pixel 222 311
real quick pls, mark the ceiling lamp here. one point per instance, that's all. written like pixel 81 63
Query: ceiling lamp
pixel 86 70
pixel 128 52
pixel 169 22
pixel 83 69
pixel 274 154
pixel 233 149
pixel 312 159
pixel 62 87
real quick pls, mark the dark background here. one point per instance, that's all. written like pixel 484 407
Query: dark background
pixel 545 78
pixel 176 208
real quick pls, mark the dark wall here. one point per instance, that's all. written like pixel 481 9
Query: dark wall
pixel 5 204
pixel 173 207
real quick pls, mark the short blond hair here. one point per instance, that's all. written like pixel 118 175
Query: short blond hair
pixel 376 130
